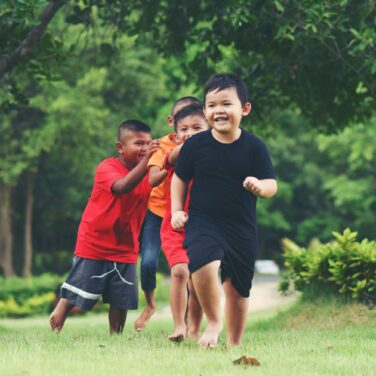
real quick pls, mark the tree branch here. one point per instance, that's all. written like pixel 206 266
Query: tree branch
pixel 9 61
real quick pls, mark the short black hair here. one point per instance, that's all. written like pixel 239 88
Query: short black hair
pixel 190 110
pixel 189 100
pixel 134 126
pixel 221 81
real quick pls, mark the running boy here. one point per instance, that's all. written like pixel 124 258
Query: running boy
pixel 187 122
pixel 230 168
pixel 150 238
pixel 107 241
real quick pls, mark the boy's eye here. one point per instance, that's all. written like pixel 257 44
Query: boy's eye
pixel 227 103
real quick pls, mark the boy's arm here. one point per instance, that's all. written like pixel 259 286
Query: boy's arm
pixel 156 175
pixel 264 188
pixel 128 182
pixel 173 156
pixel 179 189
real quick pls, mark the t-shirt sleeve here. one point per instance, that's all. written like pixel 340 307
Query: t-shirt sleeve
pixel 262 163
pixel 106 175
pixel 184 164
pixel 156 159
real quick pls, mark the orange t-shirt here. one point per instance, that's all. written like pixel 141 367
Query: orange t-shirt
pixel 158 197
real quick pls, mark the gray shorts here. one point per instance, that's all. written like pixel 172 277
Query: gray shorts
pixel 88 280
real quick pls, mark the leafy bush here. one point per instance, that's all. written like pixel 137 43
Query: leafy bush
pixel 343 265
pixel 25 297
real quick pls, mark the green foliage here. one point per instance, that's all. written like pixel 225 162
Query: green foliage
pixel 288 51
pixel 27 297
pixel 343 265
pixel 324 182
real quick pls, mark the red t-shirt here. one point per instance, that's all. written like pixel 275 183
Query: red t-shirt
pixel 111 223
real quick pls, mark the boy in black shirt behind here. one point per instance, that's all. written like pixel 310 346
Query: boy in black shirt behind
pixel 230 168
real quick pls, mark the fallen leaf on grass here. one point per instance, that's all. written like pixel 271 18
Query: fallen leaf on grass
pixel 244 360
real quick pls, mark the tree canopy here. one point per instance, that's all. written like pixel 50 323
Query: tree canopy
pixel 319 56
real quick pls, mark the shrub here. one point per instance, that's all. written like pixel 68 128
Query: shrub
pixel 343 265
pixel 21 297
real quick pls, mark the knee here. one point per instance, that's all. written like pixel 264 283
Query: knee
pixel 180 273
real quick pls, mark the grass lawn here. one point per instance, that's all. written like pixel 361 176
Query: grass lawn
pixel 326 337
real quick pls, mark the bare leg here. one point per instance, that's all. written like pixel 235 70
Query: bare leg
pixel 116 318
pixel 206 284
pixel 59 314
pixel 178 300
pixel 148 311
pixel 236 312
pixel 195 313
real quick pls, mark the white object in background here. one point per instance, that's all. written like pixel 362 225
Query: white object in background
pixel 266 267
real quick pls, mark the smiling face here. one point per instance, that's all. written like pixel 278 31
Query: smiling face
pixel 224 111
pixel 179 106
pixel 132 147
pixel 189 126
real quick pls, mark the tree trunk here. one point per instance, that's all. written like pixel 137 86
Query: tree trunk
pixel 28 239
pixel 6 234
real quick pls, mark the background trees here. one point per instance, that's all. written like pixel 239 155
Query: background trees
pixel 71 71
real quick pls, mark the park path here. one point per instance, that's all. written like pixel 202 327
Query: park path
pixel 265 295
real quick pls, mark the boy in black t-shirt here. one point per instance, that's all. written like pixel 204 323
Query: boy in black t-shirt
pixel 230 168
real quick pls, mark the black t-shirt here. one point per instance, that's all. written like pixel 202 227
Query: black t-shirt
pixel 218 171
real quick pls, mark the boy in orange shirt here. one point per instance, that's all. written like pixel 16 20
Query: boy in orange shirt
pixel 150 239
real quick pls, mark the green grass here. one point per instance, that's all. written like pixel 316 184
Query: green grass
pixel 325 337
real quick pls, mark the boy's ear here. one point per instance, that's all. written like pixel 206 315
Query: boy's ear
pixel 246 109
pixel 170 120
pixel 119 147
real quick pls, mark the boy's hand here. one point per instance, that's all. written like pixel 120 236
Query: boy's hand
pixel 179 219
pixel 153 146
pixel 253 185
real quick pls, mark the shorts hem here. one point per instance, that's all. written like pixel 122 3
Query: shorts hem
pixel 193 268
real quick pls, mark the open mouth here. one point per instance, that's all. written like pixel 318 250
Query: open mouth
pixel 220 119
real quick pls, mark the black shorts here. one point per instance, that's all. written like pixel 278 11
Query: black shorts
pixel 205 244
pixel 88 280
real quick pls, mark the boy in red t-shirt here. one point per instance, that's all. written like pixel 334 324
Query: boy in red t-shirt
pixel 187 122
pixel 107 241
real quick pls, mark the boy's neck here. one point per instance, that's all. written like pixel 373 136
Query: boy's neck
pixel 227 138
pixel 129 166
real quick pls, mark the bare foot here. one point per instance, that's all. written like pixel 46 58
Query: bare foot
pixel 194 334
pixel 209 338
pixel 178 335
pixel 143 319
pixel 59 314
